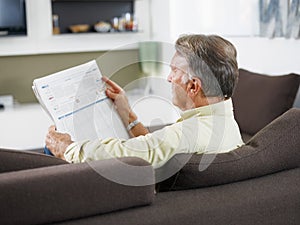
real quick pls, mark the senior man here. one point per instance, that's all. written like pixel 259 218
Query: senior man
pixel 203 75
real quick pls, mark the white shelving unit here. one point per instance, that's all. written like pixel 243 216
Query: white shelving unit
pixel 40 40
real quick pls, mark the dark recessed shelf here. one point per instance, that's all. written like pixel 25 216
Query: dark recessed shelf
pixel 73 12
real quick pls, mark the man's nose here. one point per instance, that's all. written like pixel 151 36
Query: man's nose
pixel 169 77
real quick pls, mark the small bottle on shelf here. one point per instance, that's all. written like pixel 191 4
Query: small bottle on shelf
pixel 55 24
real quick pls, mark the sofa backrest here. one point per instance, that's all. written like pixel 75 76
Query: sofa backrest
pixel 275 148
pixel 258 99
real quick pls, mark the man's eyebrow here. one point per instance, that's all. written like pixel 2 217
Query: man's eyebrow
pixel 181 67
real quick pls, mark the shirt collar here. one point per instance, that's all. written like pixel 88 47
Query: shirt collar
pixel 220 108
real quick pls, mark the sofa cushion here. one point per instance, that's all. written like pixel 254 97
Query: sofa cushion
pixel 258 99
pixel 274 148
pixel 13 160
pixel 65 192
pixel 268 200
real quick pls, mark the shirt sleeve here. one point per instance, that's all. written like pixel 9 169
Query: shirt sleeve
pixel 156 148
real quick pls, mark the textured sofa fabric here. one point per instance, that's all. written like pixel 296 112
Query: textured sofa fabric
pixel 272 199
pixel 14 160
pixel 65 192
pixel 273 149
pixel 258 98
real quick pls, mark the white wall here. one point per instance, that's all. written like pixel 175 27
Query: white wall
pixel 237 21
pixel 272 56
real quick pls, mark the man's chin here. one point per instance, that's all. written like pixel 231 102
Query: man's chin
pixel 174 102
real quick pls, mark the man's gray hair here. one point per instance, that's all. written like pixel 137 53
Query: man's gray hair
pixel 212 59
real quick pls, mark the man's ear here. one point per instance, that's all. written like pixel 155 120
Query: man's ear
pixel 194 86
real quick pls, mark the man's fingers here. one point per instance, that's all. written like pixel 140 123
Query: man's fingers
pixel 104 78
pixel 52 128
pixel 49 142
pixel 112 84
pixel 50 137
pixel 111 94
pixel 110 89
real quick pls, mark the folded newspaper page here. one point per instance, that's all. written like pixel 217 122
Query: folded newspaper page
pixel 75 100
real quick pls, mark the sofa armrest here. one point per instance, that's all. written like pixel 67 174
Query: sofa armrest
pixel 64 192
pixel 14 160
pixel 273 149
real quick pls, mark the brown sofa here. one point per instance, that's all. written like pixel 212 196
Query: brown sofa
pixel 257 183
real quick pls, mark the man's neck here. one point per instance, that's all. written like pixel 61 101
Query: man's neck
pixel 201 101
pixel 204 101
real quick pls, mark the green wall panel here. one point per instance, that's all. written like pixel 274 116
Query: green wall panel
pixel 18 72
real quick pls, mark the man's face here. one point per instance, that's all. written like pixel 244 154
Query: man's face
pixel 178 77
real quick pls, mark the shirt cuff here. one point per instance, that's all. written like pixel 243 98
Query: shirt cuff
pixel 72 153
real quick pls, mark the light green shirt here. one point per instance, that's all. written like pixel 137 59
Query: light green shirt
pixel 208 129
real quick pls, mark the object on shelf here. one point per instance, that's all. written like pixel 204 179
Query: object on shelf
pixel 115 24
pixel 55 24
pixel 122 23
pixel 79 28
pixel 128 22
pixel 102 27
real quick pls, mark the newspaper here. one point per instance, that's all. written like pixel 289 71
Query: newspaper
pixel 75 100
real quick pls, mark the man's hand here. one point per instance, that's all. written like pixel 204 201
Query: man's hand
pixel 57 143
pixel 117 94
